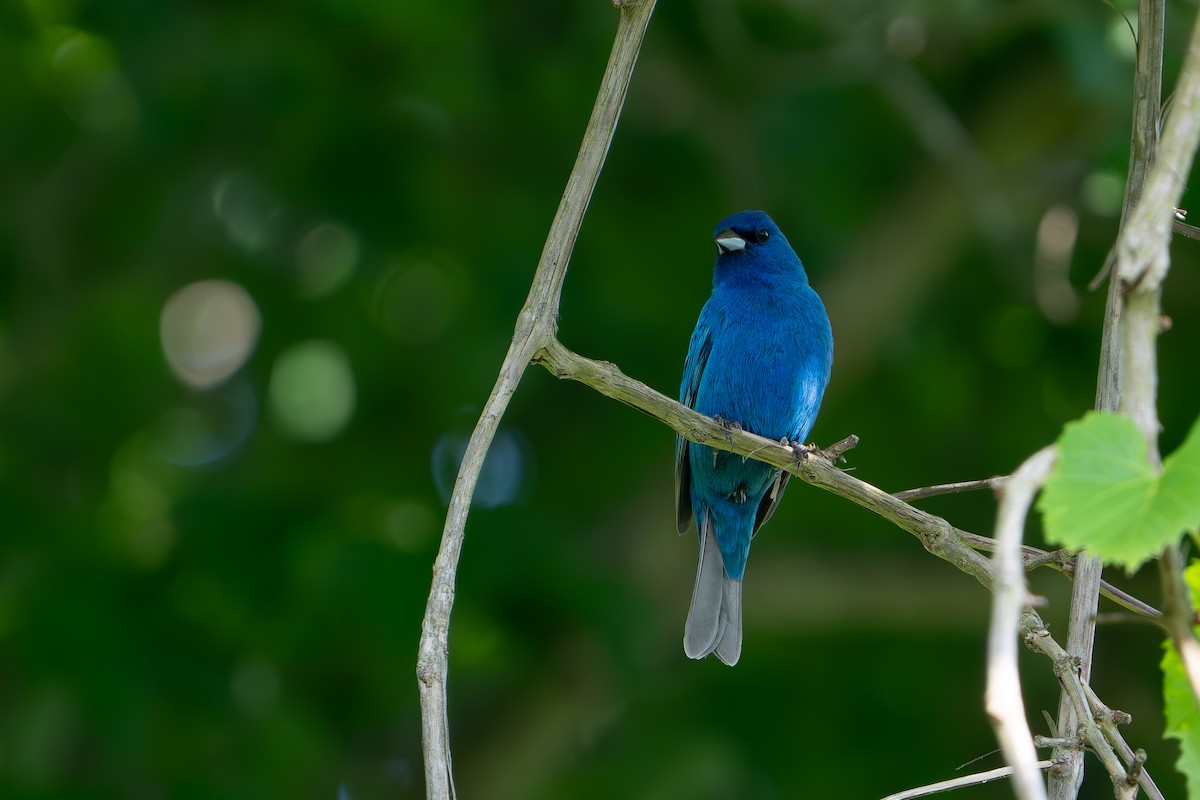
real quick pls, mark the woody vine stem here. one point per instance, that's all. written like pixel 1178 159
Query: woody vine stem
pixel 535 342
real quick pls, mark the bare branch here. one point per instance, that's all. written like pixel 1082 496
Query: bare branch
pixel 607 379
pixel 1090 735
pixel 936 534
pixel 958 783
pixel 908 495
pixel 1081 633
pixel 1108 719
pixel 1143 259
pixel 1184 229
pixel 1003 700
pixel 1061 561
pixel 536 324
pixel 1081 636
pixel 1142 250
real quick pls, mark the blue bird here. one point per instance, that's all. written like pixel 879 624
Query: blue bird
pixel 759 358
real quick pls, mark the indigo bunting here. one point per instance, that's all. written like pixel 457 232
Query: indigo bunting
pixel 759 358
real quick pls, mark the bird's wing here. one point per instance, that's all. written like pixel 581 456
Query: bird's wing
pixel 770 500
pixel 693 370
pixel 815 377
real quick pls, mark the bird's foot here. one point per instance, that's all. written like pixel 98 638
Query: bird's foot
pixel 728 424
pixel 801 449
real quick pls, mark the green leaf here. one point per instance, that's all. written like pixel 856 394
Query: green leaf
pixel 1181 709
pixel 1101 487
pixel 1106 497
pixel 1179 486
pixel 1183 719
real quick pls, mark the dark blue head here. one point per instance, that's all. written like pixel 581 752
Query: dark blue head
pixel 752 240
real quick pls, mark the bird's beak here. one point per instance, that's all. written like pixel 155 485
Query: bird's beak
pixel 728 242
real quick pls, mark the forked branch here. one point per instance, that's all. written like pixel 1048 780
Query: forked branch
pixel 536 324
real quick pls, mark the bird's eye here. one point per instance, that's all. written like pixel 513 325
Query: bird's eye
pixel 761 235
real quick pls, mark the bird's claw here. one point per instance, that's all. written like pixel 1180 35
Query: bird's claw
pixel 800 449
pixel 728 424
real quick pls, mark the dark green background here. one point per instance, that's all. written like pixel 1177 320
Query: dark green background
pixel 264 645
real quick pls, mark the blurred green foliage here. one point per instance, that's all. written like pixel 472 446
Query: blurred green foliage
pixel 216 592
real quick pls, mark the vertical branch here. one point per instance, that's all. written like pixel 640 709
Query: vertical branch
pixel 536 326
pixel 1143 259
pixel 1005 706
pixel 1066 779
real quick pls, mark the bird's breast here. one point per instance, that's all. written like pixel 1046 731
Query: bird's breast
pixel 766 370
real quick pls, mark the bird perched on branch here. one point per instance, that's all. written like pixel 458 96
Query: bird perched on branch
pixel 759 359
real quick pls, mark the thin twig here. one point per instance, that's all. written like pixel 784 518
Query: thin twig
pixel 1005 706
pixel 1108 719
pixel 1066 668
pixel 1184 229
pixel 1109 618
pixel 536 323
pixel 908 495
pixel 958 783
pixel 1119 596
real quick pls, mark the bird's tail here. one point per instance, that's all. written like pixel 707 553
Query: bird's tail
pixel 714 623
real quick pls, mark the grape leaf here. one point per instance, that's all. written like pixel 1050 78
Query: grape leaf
pixel 1182 711
pixel 1106 497
pixel 1179 487
pixel 1101 487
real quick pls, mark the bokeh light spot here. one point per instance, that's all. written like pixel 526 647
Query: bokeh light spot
pixel 142 491
pixel 405 523
pixel 254 686
pixel 209 427
pixel 416 301
pixel 1122 40
pixel 425 115
pixel 250 218
pixel 312 391
pixel 51 12
pixel 906 36
pixel 409 525
pixel 90 85
pixel 325 258
pixel 507 470
pixel 208 331
pixel 1103 193
pixel 1056 237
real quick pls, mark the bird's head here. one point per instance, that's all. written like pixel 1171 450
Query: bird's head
pixel 747 232
pixel 752 239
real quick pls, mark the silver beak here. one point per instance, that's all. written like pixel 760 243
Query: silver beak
pixel 728 241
